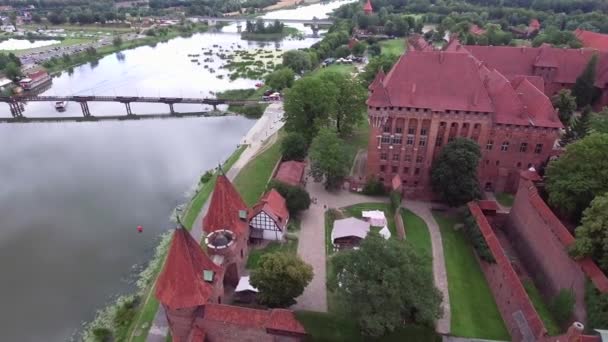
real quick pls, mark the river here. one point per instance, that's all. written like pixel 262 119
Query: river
pixel 72 194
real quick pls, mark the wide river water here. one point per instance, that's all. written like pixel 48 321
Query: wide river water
pixel 72 194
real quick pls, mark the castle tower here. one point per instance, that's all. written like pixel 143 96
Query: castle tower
pixel 227 231
pixel 186 283
pixel 367 8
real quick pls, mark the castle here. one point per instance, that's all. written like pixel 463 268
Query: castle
pixel 496 96
pixel 193 284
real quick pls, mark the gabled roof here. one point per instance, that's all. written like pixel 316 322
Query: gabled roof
pixel 349 227
pixel 291 172
pixel 377 80
pixel 418 43
pixel 223 212
pixel 281 320
pixel 181 284
pixel 273 204
pixel 592 39
pixel 367 8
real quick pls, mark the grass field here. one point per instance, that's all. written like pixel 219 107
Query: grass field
pixel 542 309
pixel 505 199
pixel 291 247
pixel 252 179
pixel 417 233
pixel 328 327
pixel 341 68
pixel 474 311
pixel 392 46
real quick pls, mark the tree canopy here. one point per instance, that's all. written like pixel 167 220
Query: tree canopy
pixel 297 60
pixel 349 100
pixel 294 147
pixel 382 62
pixel 328 158
pixel 454 172
pixel 280 278
pixel 580 174
pixel 592 234
pixel 297 197
pixel 565 104
pixel 584 88
pixel 280 79
pixel 307 106
pixel 385 283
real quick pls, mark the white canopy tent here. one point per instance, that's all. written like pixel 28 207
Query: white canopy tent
pixel 244 285
pixel 385 233
pixel 376 217
pixel 349 227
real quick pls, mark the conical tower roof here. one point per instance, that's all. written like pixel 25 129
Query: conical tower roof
pixel 224 208
pixel 367 8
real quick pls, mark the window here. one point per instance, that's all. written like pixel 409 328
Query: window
pixel 417 171
pixel 497 162
pixel 382 168
pixel 422 141
pixel 450 139
pixel 523 147
pixel 406 170
pixel 394 169
pixel 387 128
pixel 410 139
pixel 487 162
pixel 518 164
pixel 538 149
pixel 399 130
pixel 397 140
pixel 411 130
pixel 396 157
pixel 439 141
pixel 505 146
pixel 489 145
pixel 423 131
pixel 418 159
pixel 477 126
pixel 386 139
pixel 415 183
pixel 383 156
pixel 407 158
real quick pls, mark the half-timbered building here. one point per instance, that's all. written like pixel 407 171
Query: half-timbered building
pixel 269 218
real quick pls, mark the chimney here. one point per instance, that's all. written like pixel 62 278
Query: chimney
pixel 575 332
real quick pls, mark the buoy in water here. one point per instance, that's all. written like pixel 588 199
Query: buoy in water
pixel 140 229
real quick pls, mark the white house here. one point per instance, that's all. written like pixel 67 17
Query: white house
pixel 268 219
pixel 7 28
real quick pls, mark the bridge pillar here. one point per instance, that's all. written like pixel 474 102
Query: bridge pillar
pixel 85 109
pixel 239 27
pixel 16 109
pixel 171 108
pixel 128 106
pixel 215 107
pixel 315 30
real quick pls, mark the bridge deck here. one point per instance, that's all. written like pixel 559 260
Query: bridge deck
pixel 325 21
pixel 112 117
pixel 125 99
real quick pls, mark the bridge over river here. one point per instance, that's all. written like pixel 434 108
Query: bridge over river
pixel 17 108
pixel 312 21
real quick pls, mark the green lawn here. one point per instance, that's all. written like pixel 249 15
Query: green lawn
pixel 341 68
pixel 358 139
pixel 252 179
pixel 392 46
pixel 539 304
pixel 416 233
pixel 290 246
pixel 329 327
pixel 355 211
pixel 505 199
pixel 197 202
pixel 474 311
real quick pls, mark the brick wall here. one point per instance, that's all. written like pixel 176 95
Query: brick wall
pixel 516 309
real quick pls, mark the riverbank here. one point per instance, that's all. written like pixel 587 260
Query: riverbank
pixel 286 32
pixel 58 65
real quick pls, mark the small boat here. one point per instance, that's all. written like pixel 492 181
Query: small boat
pixel 194 60
pixel 61 105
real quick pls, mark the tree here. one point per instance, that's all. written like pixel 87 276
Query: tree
pixel 599 121
pixel 36 18
pixel 12 71
pixel 565 104
pixel 280 79
pixel 328 158
pixel 584 89
pixel 294 147
pixel 382 62
pixel 296 197
pixel 454 172
pixel 342 51
pixel 307 106
pixel 592 234
pixel 384 283
pixel 117 41
pixel 279 278
pixel 573 180
pixel 578 129
pixel 297 60
pixel 562 305
pixel 349 101
pixel 359 48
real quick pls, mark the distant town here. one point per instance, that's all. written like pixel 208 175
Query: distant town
pixel 373 170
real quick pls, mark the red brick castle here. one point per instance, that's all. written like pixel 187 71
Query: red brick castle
pixel 496 96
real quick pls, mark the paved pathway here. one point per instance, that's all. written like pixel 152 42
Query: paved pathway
pixel 423 209
pixel 257 136
pixel 311 245
pixel 501 208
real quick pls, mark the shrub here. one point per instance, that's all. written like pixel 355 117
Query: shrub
pixel 562 306
pixel 395 200
pixel 206 177
pixel 296 197
pixel 597 307
pixel 374 187
pixel 102 335
pixel 474 235
pixel 253 111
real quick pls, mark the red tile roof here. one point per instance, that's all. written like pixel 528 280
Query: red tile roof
pixel 487 205
pixel 533 26
pixel 518 293
pixel 291 172
pixel 433 80
pixel 367 8
pixel 223 212
pixel 181 284
pixel 592 39
pixel 476 30
pixel 274 205
pixel 590 268
pixel 275 319
pixel 418 43
pixel 37 75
